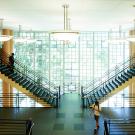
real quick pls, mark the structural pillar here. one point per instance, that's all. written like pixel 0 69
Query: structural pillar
pixel 7 49
pixel 132 54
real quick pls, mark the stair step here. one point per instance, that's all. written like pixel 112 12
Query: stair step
pixel 22 81
pixel 40 92
pixel 106 91
pixel 118 81
pixel 131 72
pixel 37 90
pixel 51 101
pixel 127 74
pixel 124 77
pixel 32 88
pixel 12 75
pixel 4 70
pixel 8 73
pixel 121 79
pixel 116 85
pixel 45 94
pixel 26 83
pixel 15 77
pixel 99 93
pixel 102 92
pixel 112 85
pixel 19 79
pixel 2 67
pixel 109 89
pixel 29 87
pixel 96 95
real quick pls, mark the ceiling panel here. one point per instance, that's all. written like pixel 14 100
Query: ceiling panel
pixel 84 14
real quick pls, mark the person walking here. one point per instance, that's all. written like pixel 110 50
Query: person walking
pixel 97 109
pixel 11 62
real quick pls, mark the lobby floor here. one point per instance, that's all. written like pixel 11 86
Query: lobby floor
pixel 68 119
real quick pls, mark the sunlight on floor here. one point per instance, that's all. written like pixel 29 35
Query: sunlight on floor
pixel 121 99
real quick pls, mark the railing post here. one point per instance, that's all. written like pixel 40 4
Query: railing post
pixel 57 100
pixel 82 94
pixel 106 132
pixel 59 92
pixel 29 124
pixel 116 70
pixel 123 100
pixel 17 99
pixel 26 70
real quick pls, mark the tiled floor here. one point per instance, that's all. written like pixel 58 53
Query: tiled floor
pixel 68 119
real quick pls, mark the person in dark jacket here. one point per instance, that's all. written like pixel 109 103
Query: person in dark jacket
pixel 11 62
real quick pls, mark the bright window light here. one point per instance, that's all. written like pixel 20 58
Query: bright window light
pixel 65 35
pixel 5 38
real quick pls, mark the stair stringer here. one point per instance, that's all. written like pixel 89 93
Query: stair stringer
pixel 24 90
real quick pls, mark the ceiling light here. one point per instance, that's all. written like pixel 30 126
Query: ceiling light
pixel 24 40
pixel 67 34
pixel 4 37
pixel 20 39
pixel 131 37
pixel 116 40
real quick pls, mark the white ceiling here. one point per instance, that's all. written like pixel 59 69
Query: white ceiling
pixel 84 14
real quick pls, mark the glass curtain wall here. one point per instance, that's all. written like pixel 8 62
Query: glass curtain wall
pixel 71 65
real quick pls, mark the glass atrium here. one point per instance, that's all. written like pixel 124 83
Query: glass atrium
pixel 71 65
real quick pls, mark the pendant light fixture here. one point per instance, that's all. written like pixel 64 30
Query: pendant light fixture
pixel 67 34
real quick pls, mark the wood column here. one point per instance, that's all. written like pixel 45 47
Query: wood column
pixel 132 54
pixel 7 49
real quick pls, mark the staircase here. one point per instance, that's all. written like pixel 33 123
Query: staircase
pixel 29 82
pixel 15 127
pixel 109 84
pixel 119 127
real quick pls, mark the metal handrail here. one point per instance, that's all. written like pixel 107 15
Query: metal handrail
pixel 109 75
pixel 36 75
pixel 103 83
pixel 32 75
pixel 16 98
pixel 20 121
pixel 109 122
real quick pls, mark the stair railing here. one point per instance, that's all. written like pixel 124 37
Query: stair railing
pixel 25 71
pixel 36 77
pixel 9 126
pixel 108 76
pixel 15 99
pixel 31 75
pixel 91 91
pixel 111 72
pixel 122 126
